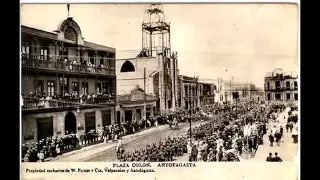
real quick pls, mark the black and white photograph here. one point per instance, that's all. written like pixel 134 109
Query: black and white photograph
pixel 159 83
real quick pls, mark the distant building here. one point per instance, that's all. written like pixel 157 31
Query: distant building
pixel 156 58
pixel 207 93
pixel 68 84
pixel 220 94
pixel 244 90
pixel 189 92
pixel 241 91
pixel 281 86
pixel 258 94
pixel 131 105
pixel 159 83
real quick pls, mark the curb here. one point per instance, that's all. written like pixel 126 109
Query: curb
pixel 107 146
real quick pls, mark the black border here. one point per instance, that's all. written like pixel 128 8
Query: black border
pixel 308 158
pixel 307 118
pixel 11 85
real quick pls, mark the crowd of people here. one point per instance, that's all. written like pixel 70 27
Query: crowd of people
pixel 276 133
pixel 49 147
pixel 218 139
pixel 235 130
pixel 45 101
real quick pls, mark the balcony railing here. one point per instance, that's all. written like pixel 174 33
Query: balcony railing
pixel 64 66
pixel 284 75
pixel 282 88
pixel 30 103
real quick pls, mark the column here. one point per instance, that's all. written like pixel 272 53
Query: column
pixel 161 85
pixel 151 111
pixel 173 97
pixel 56 47
pixel 182 94
pixel 198 95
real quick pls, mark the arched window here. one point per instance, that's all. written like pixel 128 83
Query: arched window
pixel 127 67
pixel 70 34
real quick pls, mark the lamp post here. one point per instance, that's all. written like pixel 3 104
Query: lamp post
pixel 144 99
pixel 190 132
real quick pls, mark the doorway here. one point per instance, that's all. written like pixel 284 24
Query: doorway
pixel 106 118
pixel 118 117
pixel 128 116
pixel 45 127
pixel 70 122
pixel 138 114
pixel 90 121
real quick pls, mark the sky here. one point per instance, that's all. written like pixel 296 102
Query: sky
pixel 243 41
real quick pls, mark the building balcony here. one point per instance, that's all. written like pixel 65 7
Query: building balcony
pixel 282 89
pixel 32 103
pixel 281 75
pixel 64 67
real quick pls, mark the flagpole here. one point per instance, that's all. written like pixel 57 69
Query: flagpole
pixel 68 7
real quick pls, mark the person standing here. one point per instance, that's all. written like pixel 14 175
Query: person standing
pixel 291 126
pixel 194 153
pixel 264 128
pixel 281 131
pixel 295 133
pixel 278 137
pixel 271 139
pixel 287 127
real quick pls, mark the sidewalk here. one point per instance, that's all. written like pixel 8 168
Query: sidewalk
pixel 287 149
pixel 98 148
pixel 90 151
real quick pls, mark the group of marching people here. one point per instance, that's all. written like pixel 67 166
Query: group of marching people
pixel 223 139
pixel 220 139
pixel 165 150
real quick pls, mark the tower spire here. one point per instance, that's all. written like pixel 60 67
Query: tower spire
pixel 68 7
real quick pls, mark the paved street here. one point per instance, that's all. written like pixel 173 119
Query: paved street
pixel 141 142
pixel 106 152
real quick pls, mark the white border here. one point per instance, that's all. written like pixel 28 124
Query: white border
pixel 180 1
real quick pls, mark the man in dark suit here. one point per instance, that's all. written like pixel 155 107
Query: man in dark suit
pixel 277 158
pixel 269 158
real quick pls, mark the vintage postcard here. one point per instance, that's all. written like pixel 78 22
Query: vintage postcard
pixel 160 91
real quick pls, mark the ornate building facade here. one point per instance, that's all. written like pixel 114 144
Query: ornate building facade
pixel 189 92
pixel 281 86
pixel 68 84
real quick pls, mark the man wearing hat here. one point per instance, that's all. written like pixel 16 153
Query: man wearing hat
pixel 41 156
pixel 26 157
pixel 211 155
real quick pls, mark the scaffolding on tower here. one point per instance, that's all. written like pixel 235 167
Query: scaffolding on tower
pixel 156 42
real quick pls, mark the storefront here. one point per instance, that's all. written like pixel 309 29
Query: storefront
pixel 131 106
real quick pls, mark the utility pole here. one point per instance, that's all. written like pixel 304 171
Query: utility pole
pixel 195 94
pixel 230 92
pixel 218 90
pixel 144 98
